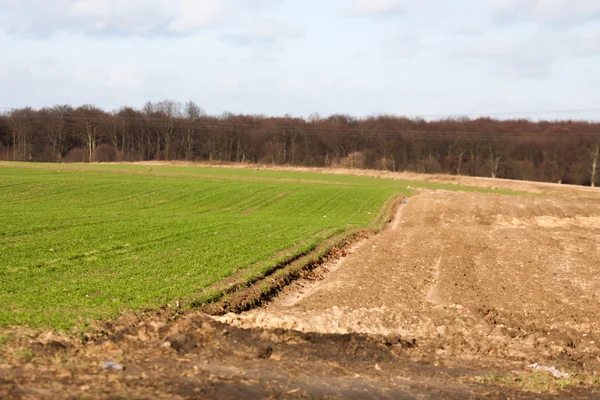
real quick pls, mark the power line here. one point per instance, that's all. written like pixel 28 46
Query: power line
pixel 507 113
pixel 323 128
pixel 412 134
pixel 267 129
pixel 165 119
pixel 400 115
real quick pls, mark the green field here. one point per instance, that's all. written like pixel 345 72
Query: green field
pixel 82 242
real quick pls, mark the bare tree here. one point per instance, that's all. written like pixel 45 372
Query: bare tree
pixel 88 118
pixel 594 153
pixel 458 148
pixel 172 111
pixel 57 129
pixel 494 160
pixel 192 113
pixel 21 127
pixel 516 149
pixel 4 136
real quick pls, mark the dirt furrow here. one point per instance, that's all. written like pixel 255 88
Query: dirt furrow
pixel 466 275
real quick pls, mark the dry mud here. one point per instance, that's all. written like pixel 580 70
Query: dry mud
pixel 461 286
pixel 512 279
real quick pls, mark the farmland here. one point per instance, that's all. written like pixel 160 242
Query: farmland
pixel 81 242
pixel 487 290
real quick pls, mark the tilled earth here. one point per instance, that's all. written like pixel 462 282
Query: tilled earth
pixel 463 289
pixel 514 278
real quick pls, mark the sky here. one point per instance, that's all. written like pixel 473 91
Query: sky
pixel 536 59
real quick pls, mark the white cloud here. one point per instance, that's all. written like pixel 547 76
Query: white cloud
pixel 401 44
pixel 77 84
pixel 588 43
pixel 530 58
pixel 111 53
pixel 533 55
pixel 469 30
pixel 120 17
pixel 553 12
pixel 266 31
pixel 377 8
pixel 114 76
pixel 532 52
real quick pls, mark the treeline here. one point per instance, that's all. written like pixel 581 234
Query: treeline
pixel 564 151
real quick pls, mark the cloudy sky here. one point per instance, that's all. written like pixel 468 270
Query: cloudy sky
pixel 361 57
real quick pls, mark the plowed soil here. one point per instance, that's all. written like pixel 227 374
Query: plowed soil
pixel 467 276
pixel 462 286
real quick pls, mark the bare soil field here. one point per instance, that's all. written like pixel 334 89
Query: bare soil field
pixel 456 299
pixel 466 276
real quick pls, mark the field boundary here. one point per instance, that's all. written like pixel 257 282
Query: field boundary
pixel 244 296
pixel 418 180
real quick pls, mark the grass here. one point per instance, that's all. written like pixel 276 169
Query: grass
pixel 25 355
pixel 4 340
pixel 80 242
pixel 255 174
pixel 540 381
pixel 85 242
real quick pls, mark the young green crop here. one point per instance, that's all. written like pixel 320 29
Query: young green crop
pixel 81 242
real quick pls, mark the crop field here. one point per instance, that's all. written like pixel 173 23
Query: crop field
pixel 84 242
pixel 487 290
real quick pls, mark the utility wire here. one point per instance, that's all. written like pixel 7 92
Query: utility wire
pixel 397 115
pixel 375 134
pixel 322 128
